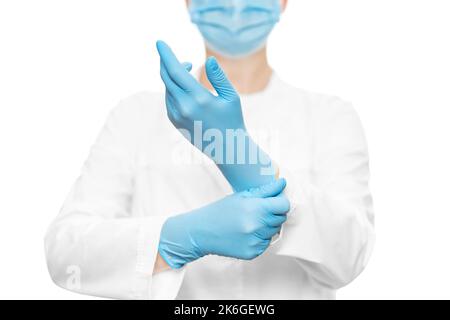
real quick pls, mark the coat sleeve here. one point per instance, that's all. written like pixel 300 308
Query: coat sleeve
pixel 96 246
pixel 330 229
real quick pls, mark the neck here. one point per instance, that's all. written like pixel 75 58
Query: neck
pixel 248 75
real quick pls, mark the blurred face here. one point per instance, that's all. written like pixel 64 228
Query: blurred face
pixel 235 28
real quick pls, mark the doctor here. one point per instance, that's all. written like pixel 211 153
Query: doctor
pixel 230 185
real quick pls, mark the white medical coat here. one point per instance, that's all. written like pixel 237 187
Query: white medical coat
pixel 141 170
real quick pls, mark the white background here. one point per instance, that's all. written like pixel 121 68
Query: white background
pixel 64 64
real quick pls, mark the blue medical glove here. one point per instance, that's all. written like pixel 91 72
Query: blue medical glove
pixel 214 124
pixel 240 226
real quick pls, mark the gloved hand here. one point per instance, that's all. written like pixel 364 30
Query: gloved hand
pixel 198 114
pixel 240 226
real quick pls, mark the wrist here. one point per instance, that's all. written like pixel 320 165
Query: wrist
pixel 160 264
pixel 177 245
pixel 165 248
pixel 173 243
pixel 248 166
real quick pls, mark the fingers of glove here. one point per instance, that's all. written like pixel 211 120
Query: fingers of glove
pixel 171 86
pixel 277 205
pixel 272 189
pixel 187 66
pixel 263 245
pixel 275 220
pixel 178 96
pixel 167 79
pixel 175 70
pixel 172 112
pixel 267 233
pixel 219 80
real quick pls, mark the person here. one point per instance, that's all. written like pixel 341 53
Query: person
pixel 230 185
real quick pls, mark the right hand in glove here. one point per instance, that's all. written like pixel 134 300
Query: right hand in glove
pixel 244 164
pixel 240 226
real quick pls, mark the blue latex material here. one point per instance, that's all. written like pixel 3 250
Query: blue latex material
pixel 240 226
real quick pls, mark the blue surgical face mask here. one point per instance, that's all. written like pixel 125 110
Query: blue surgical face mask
pixel 235 28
